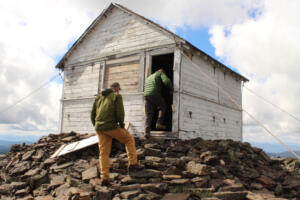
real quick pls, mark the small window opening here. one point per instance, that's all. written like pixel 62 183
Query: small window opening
pixel 190 113
pixel 214 119
pixel 224 119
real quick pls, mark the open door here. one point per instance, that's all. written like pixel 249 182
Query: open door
pixel 165 62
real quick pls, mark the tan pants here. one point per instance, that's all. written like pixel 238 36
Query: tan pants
pixel 105 140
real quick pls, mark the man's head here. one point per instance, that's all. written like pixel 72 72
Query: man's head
pixel 162 70
pixel 115 87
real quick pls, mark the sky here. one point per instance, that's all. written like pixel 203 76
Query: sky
pixel 256 38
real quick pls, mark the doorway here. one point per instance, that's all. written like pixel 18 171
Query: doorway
pixel 165 62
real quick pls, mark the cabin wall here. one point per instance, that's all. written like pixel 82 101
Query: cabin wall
pixel 200 118
pixel 119 32
pixel 82 83
pixel 134 113
pixel 76 116
pixel 117 35
pixel 201 109
pixel 204 111
pixel 126 73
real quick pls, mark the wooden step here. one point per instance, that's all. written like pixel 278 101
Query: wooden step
pixel 167 134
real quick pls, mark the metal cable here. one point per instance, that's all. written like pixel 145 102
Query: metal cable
pixel 28 95
pixel 272 104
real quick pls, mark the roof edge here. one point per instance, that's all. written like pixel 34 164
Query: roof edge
pixel 60 64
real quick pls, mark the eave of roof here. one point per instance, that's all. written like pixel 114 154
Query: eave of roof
pixel 179 39
pixel 103 14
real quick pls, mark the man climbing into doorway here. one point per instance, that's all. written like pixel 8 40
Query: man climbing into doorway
pixel 108 118
pixel 154 99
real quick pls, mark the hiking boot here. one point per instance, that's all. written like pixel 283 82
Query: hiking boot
pixel 160 126
pixel 105 183
pixel 147 135
pixel 133 169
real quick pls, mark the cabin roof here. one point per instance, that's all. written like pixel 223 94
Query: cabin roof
pixel 103 15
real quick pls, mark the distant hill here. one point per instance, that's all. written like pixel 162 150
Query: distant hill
pixel 284 154
pixel 275 147
pixel 7 140
pixel 5 145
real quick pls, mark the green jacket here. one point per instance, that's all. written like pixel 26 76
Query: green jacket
pixel 154 83
pixel 108 111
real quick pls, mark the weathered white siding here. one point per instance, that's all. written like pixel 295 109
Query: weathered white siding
pixel 200 80
pixel 120 32
pixel 204 110
pixel 200 118
pixel 81 84
pixel 76 116
pixel 194 82
pixel 134 112
pixel 81 81
pixel 232 86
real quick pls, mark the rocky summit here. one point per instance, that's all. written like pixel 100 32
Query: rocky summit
pixel 171 169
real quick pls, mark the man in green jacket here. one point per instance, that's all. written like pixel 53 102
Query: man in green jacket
pixel 108 118
pixel 153 99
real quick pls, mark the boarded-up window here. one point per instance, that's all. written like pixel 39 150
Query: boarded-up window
pixel 127 74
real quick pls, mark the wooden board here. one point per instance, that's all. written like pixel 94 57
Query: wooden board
pixel 75 146
pixel 164 134
pixel 127 75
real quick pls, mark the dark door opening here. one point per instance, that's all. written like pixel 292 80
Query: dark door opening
pixel 164 62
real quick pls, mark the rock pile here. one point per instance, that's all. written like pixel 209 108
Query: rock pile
pixel 173 169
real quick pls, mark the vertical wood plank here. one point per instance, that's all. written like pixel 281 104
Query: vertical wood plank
pixel 148 67
pixel 61 116
pixel 99 66
pixel 176 82
pixel 142 72
pixel 103 75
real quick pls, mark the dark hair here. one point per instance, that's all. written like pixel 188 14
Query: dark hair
pixel 115 85
pixel 162 70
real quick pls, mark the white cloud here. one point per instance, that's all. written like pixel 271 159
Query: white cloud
pixel 180 13
pixel 33 33
pixel 263 47
pixel 266 49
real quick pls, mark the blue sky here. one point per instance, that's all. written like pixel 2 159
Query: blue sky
pixel 199 38
pixel 257 38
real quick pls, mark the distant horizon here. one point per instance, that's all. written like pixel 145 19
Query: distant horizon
pixel 268 147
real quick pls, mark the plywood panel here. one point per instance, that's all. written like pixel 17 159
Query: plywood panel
pixel 127 75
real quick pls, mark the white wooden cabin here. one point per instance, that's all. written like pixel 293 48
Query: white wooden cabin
pixel 123 46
